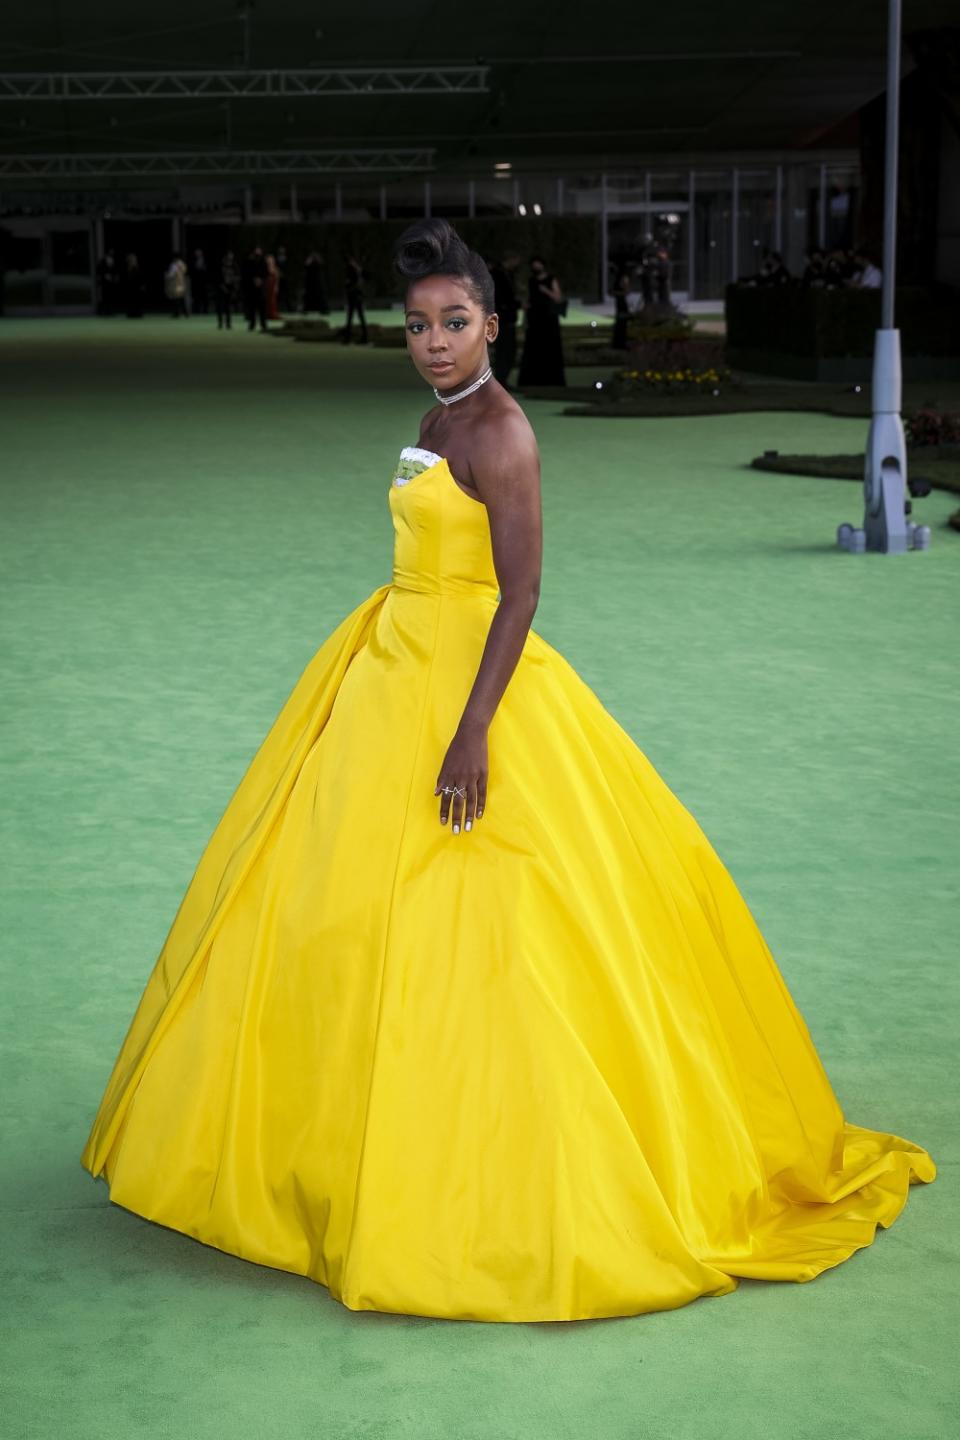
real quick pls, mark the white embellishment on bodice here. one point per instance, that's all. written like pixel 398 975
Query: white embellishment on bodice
pixel 419 456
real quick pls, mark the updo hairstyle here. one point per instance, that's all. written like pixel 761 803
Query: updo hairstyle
pixel 433 247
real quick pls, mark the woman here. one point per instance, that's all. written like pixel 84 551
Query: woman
pixel 271 287
pixel 461 1015
pixel 175 287
pixel 542 359
pixel 227 290
pixel 133 287
pixel 621 292
pixel 353 294
pixel 314 287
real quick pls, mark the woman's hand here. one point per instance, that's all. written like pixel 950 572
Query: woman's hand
pixel 464 771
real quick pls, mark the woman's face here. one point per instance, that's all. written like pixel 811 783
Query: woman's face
pixel 447 331
pixel 538 268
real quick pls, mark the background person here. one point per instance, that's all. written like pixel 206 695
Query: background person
pixel 508 308
pixel 353 290
pixel 283 284
pixel 542 359
pixel 199 283
pixel 175 287
pixel 314 285
pixel 133 287
pixel 621 292
pixel 254 288
pixel 227 290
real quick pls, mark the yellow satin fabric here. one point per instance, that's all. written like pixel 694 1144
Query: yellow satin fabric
pixel 548 1070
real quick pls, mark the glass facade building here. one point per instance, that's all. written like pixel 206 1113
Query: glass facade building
pixel 715 218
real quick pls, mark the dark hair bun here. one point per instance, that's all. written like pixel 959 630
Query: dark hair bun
pixel 428 246
pixel 433 247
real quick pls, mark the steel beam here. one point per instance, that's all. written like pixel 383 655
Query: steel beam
pixel 183 163
pixel 242 84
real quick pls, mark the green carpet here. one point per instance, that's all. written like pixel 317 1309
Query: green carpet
pixel 186 516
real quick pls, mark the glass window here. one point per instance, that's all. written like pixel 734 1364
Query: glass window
pixel 70 276
pixel 842 207
pixel 360 200
pixel 582 195
pixel 756 218
pixel 711 227
pixel 668 185
pixel 494 196
pixel 448 197
pixel 405 198
pixel 624 191
pixel 26 271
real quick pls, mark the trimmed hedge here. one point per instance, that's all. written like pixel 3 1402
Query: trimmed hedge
pixel 941 469
pixel 940 466
pixel 821 324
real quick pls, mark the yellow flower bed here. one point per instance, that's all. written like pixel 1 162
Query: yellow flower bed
pixel 685 379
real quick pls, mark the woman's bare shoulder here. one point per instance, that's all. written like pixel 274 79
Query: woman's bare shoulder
pixel 511 426
pixel 504 443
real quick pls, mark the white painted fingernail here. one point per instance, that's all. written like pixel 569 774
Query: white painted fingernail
pixel 469 825
pixel 456 829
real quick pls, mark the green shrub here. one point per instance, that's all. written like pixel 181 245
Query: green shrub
pixel 798 320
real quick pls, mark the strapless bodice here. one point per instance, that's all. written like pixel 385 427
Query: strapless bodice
pixel 441 534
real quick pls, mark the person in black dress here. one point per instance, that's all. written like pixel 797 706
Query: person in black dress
pixel 227 291
pixel 353 288
pixel 254 288
pixel 314 288
pixel 542 359
pixel 505 304
pixel 108 273
pixel 133 287
pixel 621 290
pixel 199 287
pixel 282 261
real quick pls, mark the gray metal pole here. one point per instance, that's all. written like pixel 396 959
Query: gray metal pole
pixel 885 525
pixel 890 165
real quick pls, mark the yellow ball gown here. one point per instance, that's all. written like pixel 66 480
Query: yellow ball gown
pixel 546 1070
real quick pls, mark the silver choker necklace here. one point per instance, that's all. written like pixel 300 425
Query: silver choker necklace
pixel 462 394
